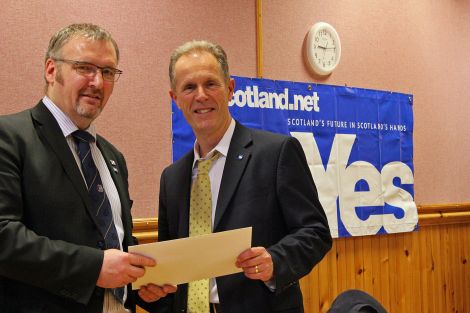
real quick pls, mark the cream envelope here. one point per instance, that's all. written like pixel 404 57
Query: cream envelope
pixel 183 260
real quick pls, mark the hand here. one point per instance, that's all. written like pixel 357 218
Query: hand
pixel 151 292
pixel 120 268
pixel 256 263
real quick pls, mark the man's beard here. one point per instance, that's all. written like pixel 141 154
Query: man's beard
pixel 80 109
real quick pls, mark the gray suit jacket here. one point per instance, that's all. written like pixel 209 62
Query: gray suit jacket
pixel 266 184
pixel 50 257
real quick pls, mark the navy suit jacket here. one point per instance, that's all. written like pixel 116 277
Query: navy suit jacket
pixel 266 184
pixel 50 257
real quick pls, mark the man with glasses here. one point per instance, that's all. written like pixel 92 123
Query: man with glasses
pixel 65 221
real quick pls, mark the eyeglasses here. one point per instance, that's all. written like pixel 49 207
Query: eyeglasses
pixel 89 69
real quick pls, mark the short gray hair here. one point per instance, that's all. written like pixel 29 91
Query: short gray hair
pixel 200 46
pixel 86 30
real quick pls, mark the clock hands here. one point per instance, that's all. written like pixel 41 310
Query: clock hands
pixel 326 47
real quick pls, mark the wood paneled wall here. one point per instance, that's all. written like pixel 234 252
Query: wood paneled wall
pixel 419 272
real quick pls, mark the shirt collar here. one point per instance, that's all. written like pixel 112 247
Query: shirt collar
pixel 221 147
pixel 65 123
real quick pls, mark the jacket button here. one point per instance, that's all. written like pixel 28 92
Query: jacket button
pixel 101 245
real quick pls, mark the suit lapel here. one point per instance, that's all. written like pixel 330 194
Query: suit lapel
pixel 184 177
pixel 238 156
pixel 115 170
pixel 48 129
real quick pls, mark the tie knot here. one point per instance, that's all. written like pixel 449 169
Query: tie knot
pixel 83 136
pixel 203 166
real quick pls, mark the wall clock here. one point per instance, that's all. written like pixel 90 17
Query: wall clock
pixel 323 48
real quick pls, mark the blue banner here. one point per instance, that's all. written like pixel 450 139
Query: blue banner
pixel 358 144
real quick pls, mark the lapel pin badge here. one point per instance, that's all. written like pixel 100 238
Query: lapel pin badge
pixel 115 170
pixel 112 162
pixel 100 188
pixel 240 156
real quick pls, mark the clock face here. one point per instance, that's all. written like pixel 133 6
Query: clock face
pixel 324 48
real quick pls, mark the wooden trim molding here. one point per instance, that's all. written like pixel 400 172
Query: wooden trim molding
pixel 438 214
pixel 146 229
pixel 259 39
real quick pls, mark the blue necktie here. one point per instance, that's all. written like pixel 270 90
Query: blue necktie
pixel 99 199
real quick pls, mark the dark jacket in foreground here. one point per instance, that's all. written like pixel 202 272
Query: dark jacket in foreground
pixel 49 256
pixel 270 188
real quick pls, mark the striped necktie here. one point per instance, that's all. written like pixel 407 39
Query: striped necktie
pixel 99 199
